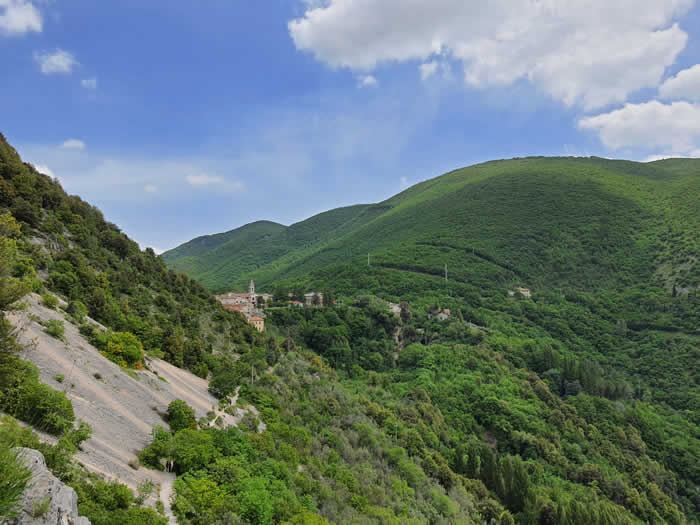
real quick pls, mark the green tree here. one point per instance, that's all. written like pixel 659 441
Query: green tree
pixel 181 416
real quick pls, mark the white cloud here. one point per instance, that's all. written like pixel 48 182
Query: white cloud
pixel 73 144
pixel 18 17
pixel 684 86
pixel 368 81
pixel 43 168
pixel 673 129
pixel 59 61
pixel 404 183
pixel 89 83
pixel 203 180
pixel 428 69
pixel 587 52
pixel 150 188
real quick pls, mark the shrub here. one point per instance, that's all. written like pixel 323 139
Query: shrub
pixel 40 507
pixel 180 416
pixel 55 328
pixel 124 349
pixel 77 310
pixel 33 402
pixel 49 300
pixel 60 378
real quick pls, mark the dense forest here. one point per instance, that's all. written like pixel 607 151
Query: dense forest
pixel 576 405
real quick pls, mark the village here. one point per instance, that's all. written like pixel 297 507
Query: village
pixel 252 305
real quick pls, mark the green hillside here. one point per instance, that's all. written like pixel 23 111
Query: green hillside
pixel 545 222
pixel 218 261
pixel 609 249
pixel 579 405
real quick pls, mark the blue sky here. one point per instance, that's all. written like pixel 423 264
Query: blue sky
pixel 179 119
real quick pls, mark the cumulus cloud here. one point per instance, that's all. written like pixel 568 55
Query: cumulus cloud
pixel 368 81
pixel 43 168
pixel 89 83
pixel 684 86
pixel 73 144
pixel 673 129
pixel 58 61
pixel 203 180
pixel 587 52
pixel 150 188
pixel 18 17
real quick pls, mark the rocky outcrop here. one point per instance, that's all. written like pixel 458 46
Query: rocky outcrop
pixel 47 501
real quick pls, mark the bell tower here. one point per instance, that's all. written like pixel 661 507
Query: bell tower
pixel 251 291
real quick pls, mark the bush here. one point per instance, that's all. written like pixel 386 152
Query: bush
pixel 124 349
pixel 181 416
pixel 40 507
pixel 33 402
pixel 77 310
pixel 55 328
pixel 49 300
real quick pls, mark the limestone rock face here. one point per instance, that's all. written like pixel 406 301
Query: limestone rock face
pixel 46 492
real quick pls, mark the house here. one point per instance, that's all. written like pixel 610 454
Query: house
pixel 313 298
pixel 257 322
pixel 522 291
pixel 444 315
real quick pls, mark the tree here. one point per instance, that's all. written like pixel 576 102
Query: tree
pixel 405 311
pixel 180 416
pixel 124 348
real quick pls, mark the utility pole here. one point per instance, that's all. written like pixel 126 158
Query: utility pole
pixel 445 272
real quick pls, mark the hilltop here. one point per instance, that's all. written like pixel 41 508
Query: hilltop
pixel 222 258
pixel 579 223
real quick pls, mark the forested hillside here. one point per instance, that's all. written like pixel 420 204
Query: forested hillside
pixel 582 223
pixel 219 260
pixel 578 404
pixel 58 245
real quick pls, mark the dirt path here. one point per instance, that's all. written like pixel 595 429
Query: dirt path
pixel 165 480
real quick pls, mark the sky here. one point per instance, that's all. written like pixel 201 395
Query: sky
pixel 182 118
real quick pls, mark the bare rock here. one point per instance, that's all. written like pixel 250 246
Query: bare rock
pixel 47 501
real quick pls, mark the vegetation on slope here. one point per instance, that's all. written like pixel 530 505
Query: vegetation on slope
pixel 67 246
pixel 218 261
pixel 559 409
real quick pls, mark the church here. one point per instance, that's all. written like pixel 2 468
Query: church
pixel 247 304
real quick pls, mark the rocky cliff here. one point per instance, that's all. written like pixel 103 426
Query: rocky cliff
pixel 47 501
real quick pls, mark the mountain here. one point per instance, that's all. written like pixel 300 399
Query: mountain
pixel 219 260
pixel 574 401
pixel 608 250
pixel 583 223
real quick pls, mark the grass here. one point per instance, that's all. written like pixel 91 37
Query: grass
pixel 40 507
pixel 55 328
